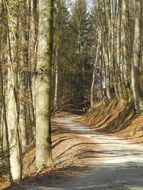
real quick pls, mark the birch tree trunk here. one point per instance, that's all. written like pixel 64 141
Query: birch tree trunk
pixel 43 85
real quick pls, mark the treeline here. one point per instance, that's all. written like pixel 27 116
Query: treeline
pixel 119 50
pixel 53 54
pixel 102 57
pixel 73 58
pixel 26 45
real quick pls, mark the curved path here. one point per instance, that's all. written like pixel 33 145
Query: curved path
pixel 121 167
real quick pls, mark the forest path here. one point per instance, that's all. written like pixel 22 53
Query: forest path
pixel 119 167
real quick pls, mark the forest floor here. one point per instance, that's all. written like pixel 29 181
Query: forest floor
pixel 86 158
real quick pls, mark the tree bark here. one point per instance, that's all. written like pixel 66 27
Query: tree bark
pixel 137 93
pixel 43 85
pixel 13 133
pixel 56 81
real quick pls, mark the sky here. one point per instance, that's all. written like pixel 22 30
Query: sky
pixel 89 3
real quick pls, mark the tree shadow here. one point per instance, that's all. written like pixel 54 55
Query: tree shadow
pixel 59 141
pixel 122 177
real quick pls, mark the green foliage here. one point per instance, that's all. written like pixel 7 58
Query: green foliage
pixel 73 44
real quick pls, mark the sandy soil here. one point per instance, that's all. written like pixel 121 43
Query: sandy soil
pixel 115 164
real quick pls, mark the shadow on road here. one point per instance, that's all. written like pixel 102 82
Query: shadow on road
pixel 120 169
pixel 124 177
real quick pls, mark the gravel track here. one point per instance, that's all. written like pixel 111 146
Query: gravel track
pixel 120 164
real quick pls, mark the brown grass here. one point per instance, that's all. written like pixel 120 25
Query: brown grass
pixel 116 118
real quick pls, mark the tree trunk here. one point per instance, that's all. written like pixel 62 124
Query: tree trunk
pixel 13 133
pixel 43 85
pixel 23 130
pixel 107 73
pixel 94 73
pixel 92 86
pixel 137 57
pixel 56 81
pixel 125 49
pixel 10 112
pixel 118 71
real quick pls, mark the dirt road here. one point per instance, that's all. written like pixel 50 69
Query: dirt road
pixel 120 163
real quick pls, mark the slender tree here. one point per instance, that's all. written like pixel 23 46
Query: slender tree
pixel 137 57
pixel 12 112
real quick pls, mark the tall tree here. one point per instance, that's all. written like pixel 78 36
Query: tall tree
pixel 80 25
pixel 12 112
pixel 43 85
pixel 60 42
pixel 137 57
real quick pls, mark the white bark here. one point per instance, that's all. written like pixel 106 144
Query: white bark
pixel 23 131
pixel 56 82
pixel 15 159
pixel 107 74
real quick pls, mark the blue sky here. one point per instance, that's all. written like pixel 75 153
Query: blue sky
pixel 88 1
pixel 70 2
